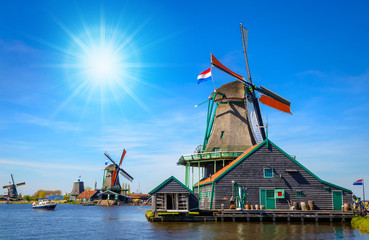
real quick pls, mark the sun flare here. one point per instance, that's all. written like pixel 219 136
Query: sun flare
pixel 101 65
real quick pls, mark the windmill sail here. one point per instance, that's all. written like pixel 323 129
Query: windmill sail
pixel 271 102
pixel 223 68
pixel 256 130
pixel 126 175
pixel 244 33
pixel 254 112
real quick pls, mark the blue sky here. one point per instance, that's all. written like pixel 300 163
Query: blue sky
pixel 56 120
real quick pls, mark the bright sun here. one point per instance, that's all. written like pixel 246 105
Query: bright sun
pixel 101 65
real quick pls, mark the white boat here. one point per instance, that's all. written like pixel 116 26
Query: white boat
pixel 44 204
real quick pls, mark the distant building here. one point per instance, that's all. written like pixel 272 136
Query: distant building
pixel 139 197
pixel 78 188
pixel 88 195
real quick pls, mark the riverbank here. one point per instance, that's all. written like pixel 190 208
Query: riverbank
pixel 361 223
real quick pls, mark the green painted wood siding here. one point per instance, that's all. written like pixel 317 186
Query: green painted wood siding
pixel 250 173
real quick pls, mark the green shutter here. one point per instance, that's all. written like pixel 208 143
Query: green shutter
pixel 262 197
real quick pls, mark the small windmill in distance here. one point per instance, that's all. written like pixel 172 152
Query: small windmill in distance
pixel 12 188
pixel 111 174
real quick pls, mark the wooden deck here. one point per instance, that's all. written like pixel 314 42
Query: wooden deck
pixel 259 216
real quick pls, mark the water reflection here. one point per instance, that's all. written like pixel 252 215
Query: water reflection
pixel 74 221
pixel 255 230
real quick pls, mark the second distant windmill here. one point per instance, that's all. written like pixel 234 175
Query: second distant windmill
pixel 111 174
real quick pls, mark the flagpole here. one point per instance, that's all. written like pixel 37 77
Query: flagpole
pixel 211 69
pixel 215 87
pixel 363 193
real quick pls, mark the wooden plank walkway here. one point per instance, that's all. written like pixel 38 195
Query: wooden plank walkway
pixel 259 215
pixel 283 215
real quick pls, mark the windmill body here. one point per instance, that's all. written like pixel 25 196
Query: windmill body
pixel 231 129
pixel 108 182
pixel 12 188
pixel 78 188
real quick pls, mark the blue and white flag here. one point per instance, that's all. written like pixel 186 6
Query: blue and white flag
pixel 106 162
pixel 204 76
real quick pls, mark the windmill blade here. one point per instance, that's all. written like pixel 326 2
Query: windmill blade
pixel 244 33
pixel 8 186
pixel 215 62
pixel 271 94
pixel 125 174
pixel 12 178
pixel 114 178
pixel 20 184
pixel 121 159
pixel 271 102
pixel 107 155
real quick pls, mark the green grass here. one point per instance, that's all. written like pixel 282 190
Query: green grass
pixel 168 214
pixel 149 213
pixel 194 213
pixel 361 223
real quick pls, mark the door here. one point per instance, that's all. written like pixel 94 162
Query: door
pixel 270 199
pixel 267 198
pixel 337 200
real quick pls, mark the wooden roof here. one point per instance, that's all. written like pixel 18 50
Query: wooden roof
pixel 248 152
pixel 86 194
pixel 139 195
pixel 233 90
pixel 223 170
pixel 172 178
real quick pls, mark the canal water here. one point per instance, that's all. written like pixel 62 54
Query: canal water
pixel 19 221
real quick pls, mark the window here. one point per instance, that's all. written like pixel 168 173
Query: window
pixel 216 149
pixel 222 134
pixel 298 193
pixel 268 172
pixel 279 193
pixel 327 189
pixel 200 195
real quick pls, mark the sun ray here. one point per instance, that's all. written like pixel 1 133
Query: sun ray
pixel 101 64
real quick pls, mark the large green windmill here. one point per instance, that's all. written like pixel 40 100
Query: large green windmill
pixel 234 121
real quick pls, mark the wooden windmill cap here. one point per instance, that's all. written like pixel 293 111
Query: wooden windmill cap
pixel 233 91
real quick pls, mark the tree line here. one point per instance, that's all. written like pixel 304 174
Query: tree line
pixel 42 194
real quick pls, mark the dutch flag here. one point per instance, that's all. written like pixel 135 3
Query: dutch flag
pixel 106 162
pixel 204 76
pixel 359 182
